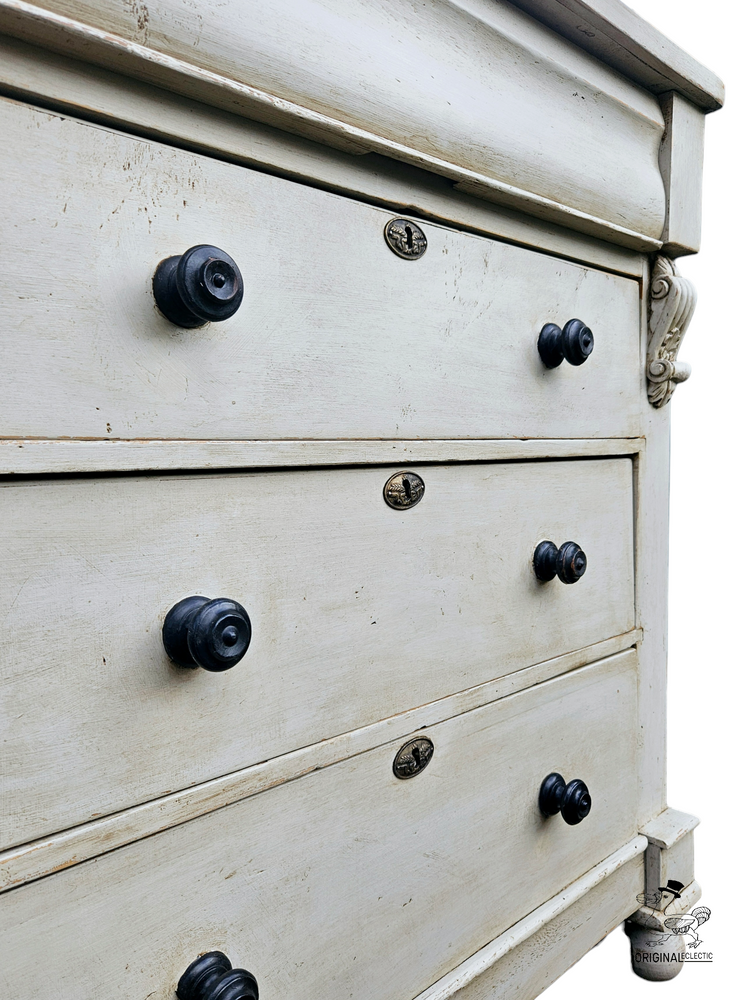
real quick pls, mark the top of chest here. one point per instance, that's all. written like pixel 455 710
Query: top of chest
pixel 564 111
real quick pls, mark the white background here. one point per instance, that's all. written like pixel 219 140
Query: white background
pixel 709 707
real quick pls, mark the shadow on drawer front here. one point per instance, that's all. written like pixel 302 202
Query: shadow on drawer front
pixel 349 881
pixel 335 336
pixel 319 609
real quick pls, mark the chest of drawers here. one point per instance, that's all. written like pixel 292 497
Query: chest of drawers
pixel 339 345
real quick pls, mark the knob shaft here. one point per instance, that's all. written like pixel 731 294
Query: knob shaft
pixel 211 977
pixel 568 563
pixel 573 343
pixel 572 801
pixel 214 634
pixel 204 285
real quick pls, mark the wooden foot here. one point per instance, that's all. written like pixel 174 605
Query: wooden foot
pixel 669 891
pixel 654 953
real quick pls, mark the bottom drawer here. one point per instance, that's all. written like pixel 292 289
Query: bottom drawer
pixel 347 882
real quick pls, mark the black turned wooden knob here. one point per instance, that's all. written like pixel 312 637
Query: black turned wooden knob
pixel 576 802
pixel 214 634
pixel 204 285
pixel 572 801
pixel 211 977
pixel 573 343
pixel 568 563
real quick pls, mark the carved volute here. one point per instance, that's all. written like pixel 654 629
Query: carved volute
pixel 671 307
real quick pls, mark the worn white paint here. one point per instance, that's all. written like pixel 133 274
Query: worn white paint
pixel 347 879
pixel 621 38
pixel 27 456
pixel 475 968
pixel 651 479
pixel 341 881
pixel 670 826
pixel 531 966
pixel 681 160
pixel 336 336
pixel 71 847
pixel 400 81
pixel 89 91
pixel 358 611
pixel 669 856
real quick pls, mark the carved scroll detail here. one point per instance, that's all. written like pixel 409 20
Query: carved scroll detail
pixel 671 307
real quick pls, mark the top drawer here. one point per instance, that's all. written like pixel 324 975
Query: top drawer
pixel 337 337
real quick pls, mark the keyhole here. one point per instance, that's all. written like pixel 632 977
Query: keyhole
pixel 409 237
pixel 417 756
pixel 407 489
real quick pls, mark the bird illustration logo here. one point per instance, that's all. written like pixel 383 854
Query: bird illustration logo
pixel 686 924
pixel 666 895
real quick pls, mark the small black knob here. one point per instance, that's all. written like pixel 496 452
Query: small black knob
pixel 568 563
pixel 573 343
pixel 551 794
pixel 211 977
pixel 573 800
pixel 204 285
pixel 199 632
pixel 576 802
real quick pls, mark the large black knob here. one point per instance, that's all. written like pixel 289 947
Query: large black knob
pixel 572 801
pixel 573 343
pixel 199 632
pixel 568 563
pixel 211 977
pixel 204 285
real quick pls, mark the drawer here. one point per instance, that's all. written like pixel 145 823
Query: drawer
pixel 358 612
pixel 347 882
pixel 336 337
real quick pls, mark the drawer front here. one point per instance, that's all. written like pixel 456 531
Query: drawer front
pixel 358 612
pixel 347 882
pixel 336 337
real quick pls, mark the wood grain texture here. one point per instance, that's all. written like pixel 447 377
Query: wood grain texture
pixel 336 336
pixel 91 92
pixel 407 85
pixel 409 878
pixel 681 161
pixel 48 855
pixel 30 457
pixel 358 612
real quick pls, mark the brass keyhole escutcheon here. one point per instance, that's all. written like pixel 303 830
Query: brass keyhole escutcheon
pixel 413 757
pixel 403 490
pixel 405 238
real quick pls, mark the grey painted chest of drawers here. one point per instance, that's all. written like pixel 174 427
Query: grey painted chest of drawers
pixel 339 337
